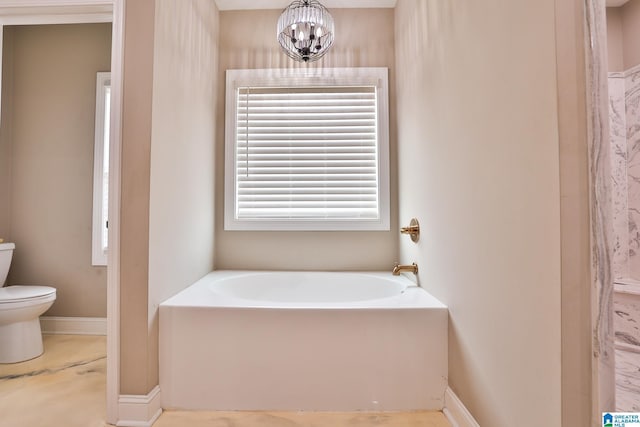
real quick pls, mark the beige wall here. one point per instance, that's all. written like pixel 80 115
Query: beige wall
pixel 614 39
pixel 579 389
pixel 5 135
pixel 247 40
pixel 623 36
pixel 181 213
pixel 631 33
pixel 170 67
pixel 52 114
pixel 479 167
pixel 136 377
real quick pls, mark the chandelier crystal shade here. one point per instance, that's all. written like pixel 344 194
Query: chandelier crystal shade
pixel 305 30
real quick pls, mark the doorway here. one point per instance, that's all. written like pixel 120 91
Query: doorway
pixel 30 12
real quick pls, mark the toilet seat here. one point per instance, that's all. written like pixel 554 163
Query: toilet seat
pixel 26 294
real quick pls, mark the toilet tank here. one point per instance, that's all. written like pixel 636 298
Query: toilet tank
pixel 6 253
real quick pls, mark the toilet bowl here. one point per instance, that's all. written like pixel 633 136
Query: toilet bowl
pixel 20 309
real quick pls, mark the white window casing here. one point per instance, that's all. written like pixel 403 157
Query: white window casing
pixel 99 243
pixel 307 149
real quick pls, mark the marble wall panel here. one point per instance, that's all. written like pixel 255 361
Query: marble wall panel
pixel 627 381
pixel 626 306
pixel 618 156
pixel 632 103
pixel 603 363
pixel 624 109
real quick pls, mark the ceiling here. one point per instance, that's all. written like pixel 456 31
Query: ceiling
pixel 616 3
pixel 281 4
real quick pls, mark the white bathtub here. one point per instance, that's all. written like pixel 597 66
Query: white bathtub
pixel 315 341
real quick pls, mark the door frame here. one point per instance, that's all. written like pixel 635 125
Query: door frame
pixel 44 12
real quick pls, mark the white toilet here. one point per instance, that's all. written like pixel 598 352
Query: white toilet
pixel 20 310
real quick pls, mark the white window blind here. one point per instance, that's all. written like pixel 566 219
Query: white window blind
pixel 306 153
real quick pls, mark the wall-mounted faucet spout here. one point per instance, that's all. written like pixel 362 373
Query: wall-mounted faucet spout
pixel 397 269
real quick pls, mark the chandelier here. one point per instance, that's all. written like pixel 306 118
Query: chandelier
pixel 305 30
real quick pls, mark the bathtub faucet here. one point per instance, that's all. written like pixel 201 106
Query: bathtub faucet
pixel 397 268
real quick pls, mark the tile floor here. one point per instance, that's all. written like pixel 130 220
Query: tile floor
pixel 63 387
pixel 303 419
pixel 66 387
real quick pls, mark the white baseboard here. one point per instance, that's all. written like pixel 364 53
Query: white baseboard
pixel 456 412
pixel 73 325
pixel 139 410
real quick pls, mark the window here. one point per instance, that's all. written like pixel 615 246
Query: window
pixel 307 149
pixel 101 170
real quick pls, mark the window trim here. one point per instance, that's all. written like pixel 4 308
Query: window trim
pixel 370 76
pixel 98 254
